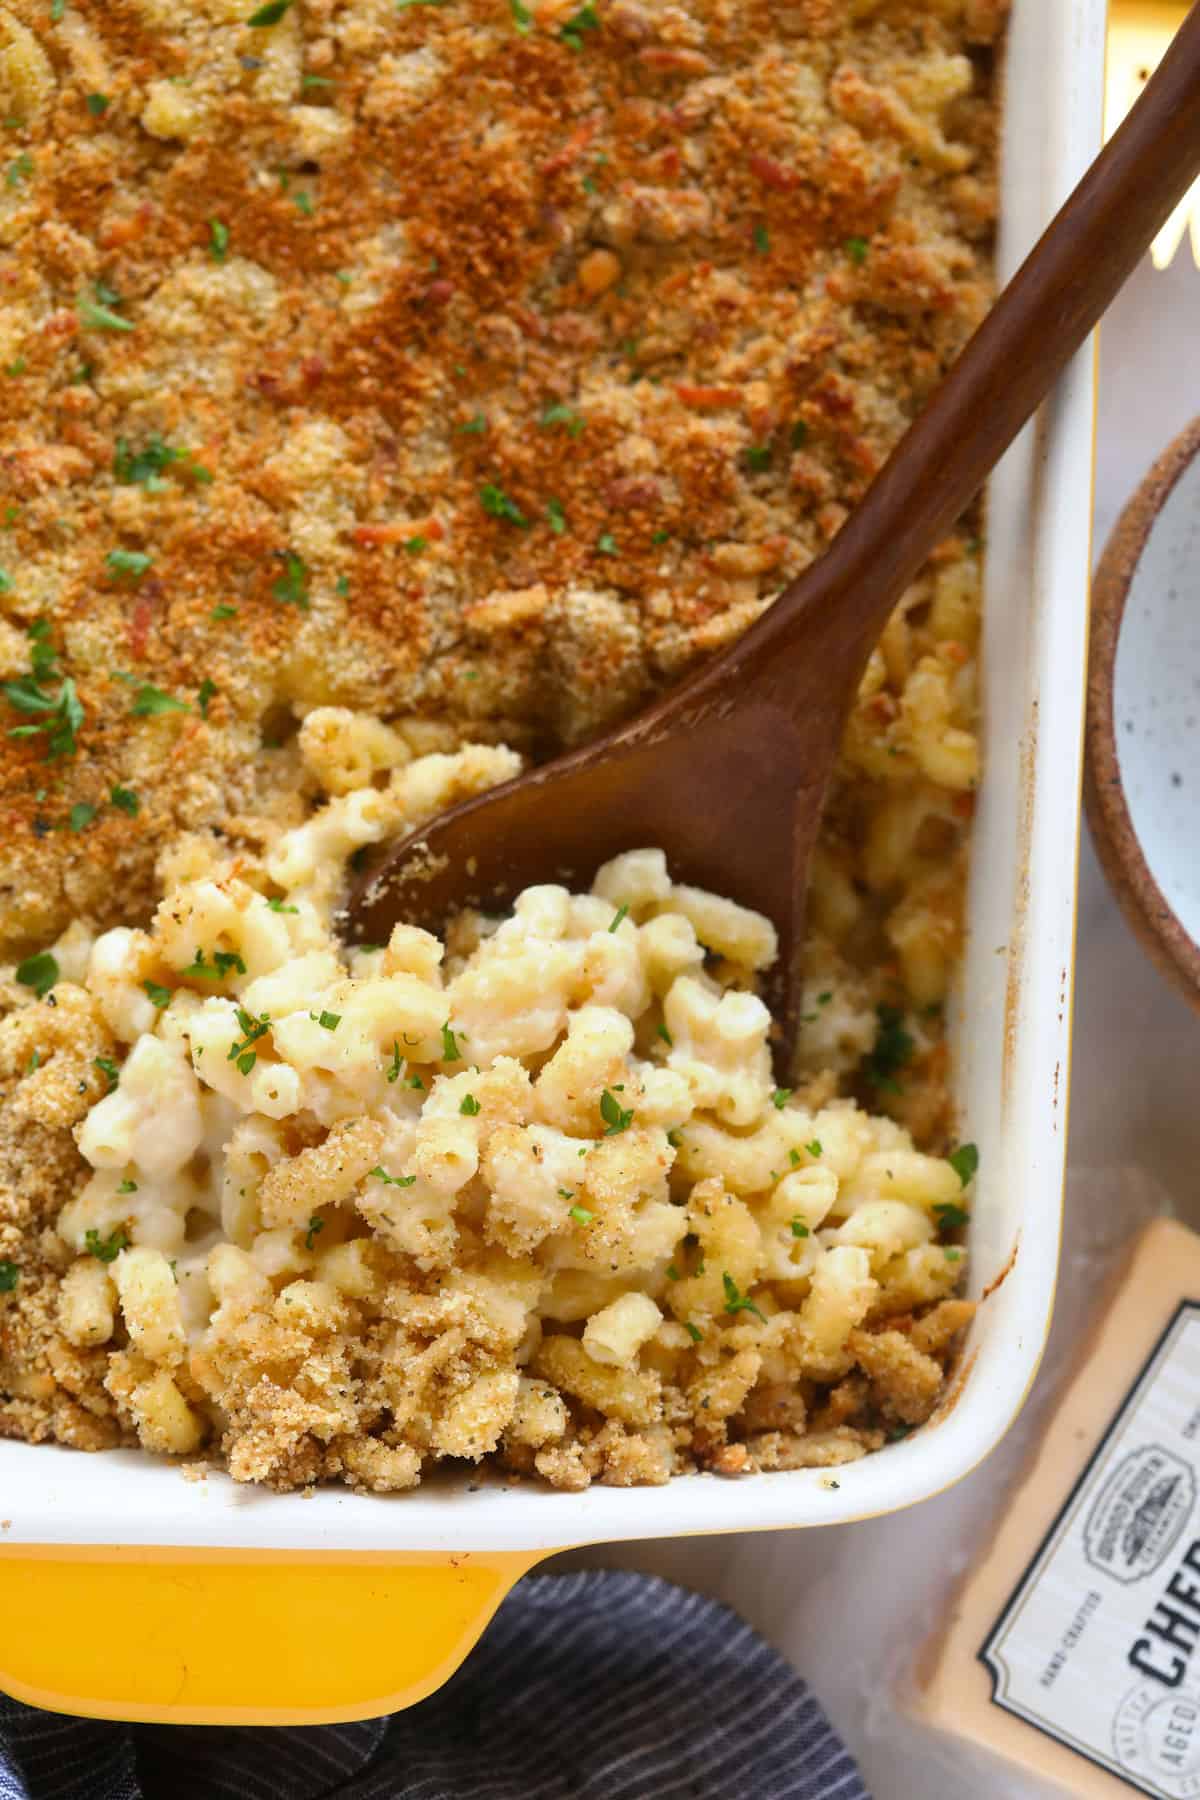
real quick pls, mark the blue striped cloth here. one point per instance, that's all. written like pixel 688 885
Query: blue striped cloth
pixel 603 1684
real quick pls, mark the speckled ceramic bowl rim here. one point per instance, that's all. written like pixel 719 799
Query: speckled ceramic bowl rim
pixel 1143 902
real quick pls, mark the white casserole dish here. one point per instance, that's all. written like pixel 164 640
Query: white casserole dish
pixel 130 1592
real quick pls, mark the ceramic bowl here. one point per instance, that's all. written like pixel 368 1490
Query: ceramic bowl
pixel 1142 763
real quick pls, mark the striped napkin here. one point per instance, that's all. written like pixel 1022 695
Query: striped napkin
pixel 602 1684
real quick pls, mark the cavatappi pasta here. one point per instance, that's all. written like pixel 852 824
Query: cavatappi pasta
pixel 532 1193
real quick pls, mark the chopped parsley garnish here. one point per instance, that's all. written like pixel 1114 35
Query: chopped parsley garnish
pixel 94 315
pixel 735 1302
pixel 675 1138
pixel 660 537
pixel 328 1021
pixel 693 1331
pixel 952 1255
pixel 60 715
pixel 127 1187
pixel 964 1161
pixel 379 1173
pixel 133 563
pixel 758 457
pixel 622 912
pixel 616 1117
pixel 281 906
pixel 799 1228
pixel 150 701
pixel 38 972
pixel 125 800
pixel 497 505
pixel 9 1276
pixel 762 240
pixel 291 588
pixel 270 14
pixel 856 250
pixel 107 1249
pixel 222 962
pixel 205 693
pixel 17 367
pixel 475 427
pixel 585 19
pixel 304 204
pixel 556 516
pixel 397 1062
pixel 414 1081
pixel 450 1049
pixel 224 611
pixel 794 1158
pixel 218 240
pixel 19 171
pixel 470 1106
pixel 252 1029
pixel 606 544
pixel 144 468
pixel 415 545
pixel 522 17
pixel 780 1097
pixel 581 1215
pixel 80 815
pixel 893 1048
pixel 951 1217
pixel 665 1035
pixel 108 1069
pixel 159 996
pixel 34 1063
pixel 316 1224
pixel 799 434
pixel 565 416
pixel 97 104
pixel 814 1147
pixel 57 9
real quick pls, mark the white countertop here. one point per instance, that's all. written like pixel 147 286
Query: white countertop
pixel 847 1604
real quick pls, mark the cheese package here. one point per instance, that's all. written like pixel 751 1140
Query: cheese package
pixel 1073 1648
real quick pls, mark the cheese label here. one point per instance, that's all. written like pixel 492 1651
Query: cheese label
pixel 1099 1645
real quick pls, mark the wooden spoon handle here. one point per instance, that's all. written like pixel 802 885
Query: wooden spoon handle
pixel 1005 372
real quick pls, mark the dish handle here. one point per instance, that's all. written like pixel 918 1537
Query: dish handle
pixel 227 1637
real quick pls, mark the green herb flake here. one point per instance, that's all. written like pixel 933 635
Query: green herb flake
pixel 39 972
pixel 281 906
pixel 758 458
pixel 218 240
pixel 953 1255
pixel 799 434
pixel 856 250
pixel 675 1138
pixel 97 104
pixel 80 816
pixel 473 427
pixel 606 544
pixel 581 1215
pixel 328 1021
pixel 60 715
pixel 586 19
pixel 127 1187
pixel 780 1097
pixel 150 702
pixel 206 692
pixel 497 505
pixel 9 1276
pixel 813 1147
pixel 622 912
pixel 131 563
pixel 379 1173
pixel 693 1331
pixel 521 16
pixel 17 367
pixel 270 14
pixel 616 1117
pixel 414 1081
pixel 566 416
pixel 450 1049
pixel 469 1106
pixel 304 204
pixel 18 171
pixel 252 1029
pixel 57 9
pixel 762 240
pixel 95 316
pixel 736 1302
pixel 665 1035
pixel 556 516
pixel 107 1249
pixel 108 1068
pixel 316 1225
pixel 125 800
pixel 415 545
pixel 799 1228
pixel 673 1273
pixel 964 1161
pixel 951 1217
pixel 159 996
pixel 291 588
pixel 893 1049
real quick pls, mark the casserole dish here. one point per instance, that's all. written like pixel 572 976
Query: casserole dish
pixel 255 1608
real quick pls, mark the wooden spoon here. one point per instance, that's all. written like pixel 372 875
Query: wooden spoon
pixel 728 772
